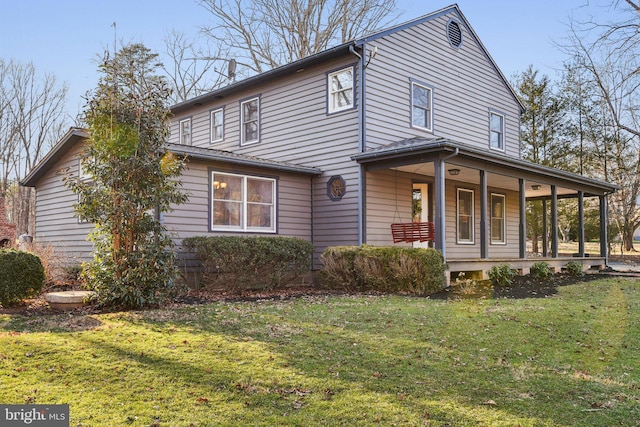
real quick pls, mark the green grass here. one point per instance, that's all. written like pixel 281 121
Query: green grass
pixel 567 360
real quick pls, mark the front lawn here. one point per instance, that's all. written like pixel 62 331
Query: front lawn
pixel 569 359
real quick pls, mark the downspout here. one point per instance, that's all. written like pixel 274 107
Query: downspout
pixel 440 199
pixel 361 143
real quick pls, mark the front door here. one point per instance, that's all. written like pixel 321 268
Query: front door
pixel 421 208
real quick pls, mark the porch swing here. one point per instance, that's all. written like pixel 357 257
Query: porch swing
pixel 408 232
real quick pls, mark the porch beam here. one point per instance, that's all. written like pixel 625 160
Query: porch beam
pixel 580 224
pixel 484 203
pixel 603 228
pixel 554 222
pixel 522 229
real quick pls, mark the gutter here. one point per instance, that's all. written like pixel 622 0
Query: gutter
pixel 361 144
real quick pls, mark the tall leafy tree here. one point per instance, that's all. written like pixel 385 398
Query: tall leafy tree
pixel 131 180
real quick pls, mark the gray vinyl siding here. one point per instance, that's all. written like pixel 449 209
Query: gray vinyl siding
pixel 465 87
pixel 56 223
pixel 192 218
pixel 295 128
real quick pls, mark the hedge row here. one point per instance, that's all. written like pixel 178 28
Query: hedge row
pixel 385 269
pixel 251 262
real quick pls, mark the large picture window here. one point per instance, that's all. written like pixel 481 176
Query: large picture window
pixel 421 106
pixel 498 218
pixel 340 88
pixel 464 216
pixel 250 121
pixel 243 203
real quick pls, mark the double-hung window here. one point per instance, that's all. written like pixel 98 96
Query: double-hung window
pixel 498 218
pixel 185 131
pixel 243 203
pixel 250 121
pixel 496 131
pixel 340 90
pixel 464 216
pixel 217 125
pixel 84 178
pixel 421 106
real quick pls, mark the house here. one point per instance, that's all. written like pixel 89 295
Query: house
pixel 416 122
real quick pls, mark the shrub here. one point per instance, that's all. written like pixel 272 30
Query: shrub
pixel 465 285
pixel 501 275
pixel 384 269
pixel 251 262
pixel 540 270
pixel 574 268
pixel 22 276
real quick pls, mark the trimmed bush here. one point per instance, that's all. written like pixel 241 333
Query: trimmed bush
pixel 501 275
pixel 574 268
pixel 540 270
pixel 22 276
pixel 237 262
pixel 384 269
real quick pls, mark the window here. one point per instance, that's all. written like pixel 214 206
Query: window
pixel 498 220
pixel 217 125
pixel 496 133
pixel 243 203
pixel 185 131
pixel 250 121
pixel 421 106
pixel 340 88
pixel 464 216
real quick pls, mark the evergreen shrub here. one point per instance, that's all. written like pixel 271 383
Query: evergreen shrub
pixel 22 276
pixel 237 262
pixel 414 271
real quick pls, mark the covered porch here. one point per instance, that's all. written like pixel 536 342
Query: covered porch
pixel 477 202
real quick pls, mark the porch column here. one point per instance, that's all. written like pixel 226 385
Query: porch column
pixel 554 222
pixel 603 228
pixel 580 224
pixel 439 220
pixel 523 219
pixel 545 229
pixel 484 204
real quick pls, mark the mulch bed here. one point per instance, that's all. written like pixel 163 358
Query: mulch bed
pixel 522 287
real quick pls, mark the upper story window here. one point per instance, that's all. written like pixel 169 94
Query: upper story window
pixel 340 90
pixel 465 216
pixel 250 121
pixel 421 106
pixel 243 203
pixel 498 218
pixel 185 131
pixel 496 130
pixel 217 125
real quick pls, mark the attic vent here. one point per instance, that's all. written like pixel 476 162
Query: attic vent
pixel 454 33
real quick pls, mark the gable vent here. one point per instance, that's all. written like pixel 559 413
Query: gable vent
pixel 454 33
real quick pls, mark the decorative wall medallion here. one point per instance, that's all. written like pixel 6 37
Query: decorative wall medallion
pixel 336 187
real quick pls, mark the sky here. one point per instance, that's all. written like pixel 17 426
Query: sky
pixel 65 37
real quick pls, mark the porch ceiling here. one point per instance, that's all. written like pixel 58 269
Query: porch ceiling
pixel 417 155
pixel 468 175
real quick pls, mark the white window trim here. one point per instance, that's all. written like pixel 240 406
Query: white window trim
pixel 430 89
pixel 472 217
pixel 504 219
pixel 330 93
pixel 243 140
pixel 180 130
pixel 87 178
pixel 496 113
pixel 212 128
pixel 244 220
